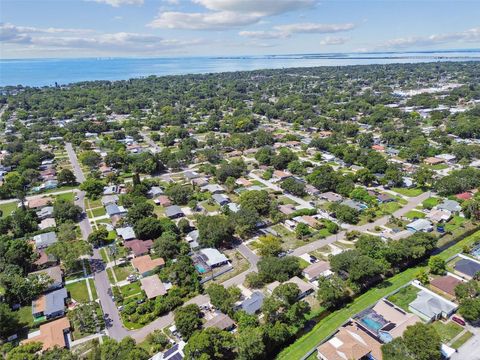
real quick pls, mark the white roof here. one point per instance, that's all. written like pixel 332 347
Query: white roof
pixel 126 233
pixel 214 256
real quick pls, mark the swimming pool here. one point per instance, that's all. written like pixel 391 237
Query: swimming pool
pixel 371 323
pixel 200 269
pixel 476 252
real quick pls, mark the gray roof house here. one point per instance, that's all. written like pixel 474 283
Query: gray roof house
pixel 253 303
pixel 420 225
pixel 331 196
pixel 190 175
pixel 467 267
pixel 192 239
pixel 44 213
pixel 155 191
pixel 214 257
pixel 450 205
pixel 220 199
pixel 354 204
pixel 114 209
pixel 430 306
pixel 55 273
pixel 213 188
pixel 109 199
pixel 174 212
pixel 50 305
pixel 44 240
pixel 126 233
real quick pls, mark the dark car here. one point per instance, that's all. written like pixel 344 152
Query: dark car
pixel 458 320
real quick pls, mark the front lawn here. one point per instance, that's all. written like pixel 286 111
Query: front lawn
pixel 404 296
pixel 412 214
pixel 408 192
pixel 454 223
pixel 461 340
pixel 122 271
pixel 8 207
pixel 430 202
pixel 390 208
pixel 93 288
pixel 100 211
pixel 67 196
pixel 131 289
pixel 78 291
pixel 447 331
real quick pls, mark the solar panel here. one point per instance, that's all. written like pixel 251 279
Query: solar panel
pixel 170 351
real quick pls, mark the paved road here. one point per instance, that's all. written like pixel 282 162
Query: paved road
pixel 31 197
pixel 150 142
pixel 77 170
pixel 274 187
pixel 412 204
pixel 471 349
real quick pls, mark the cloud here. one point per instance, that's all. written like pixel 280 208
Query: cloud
pixel 202 21
pixel 284 31
pixel 117 3
pixel 68 39
pixel 338 40
pixel 471 35
pixel 256 7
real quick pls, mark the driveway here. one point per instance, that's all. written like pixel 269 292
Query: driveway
pixel 471 349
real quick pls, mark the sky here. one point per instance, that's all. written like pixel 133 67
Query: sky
pixel 156 28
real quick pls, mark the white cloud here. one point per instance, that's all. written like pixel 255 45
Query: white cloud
pixel 202 21
pixel 256 7
pixel 263 34
pixel 314 28
pixel 471 35
pixel 337 40
pixel 117 3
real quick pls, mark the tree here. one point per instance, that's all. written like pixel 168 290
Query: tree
pixel 66 176
pixel 256 199
pixel 98 237
pixel 9 322
pixel 27 351
pixel 210 344
pixel 126 349
pixel 139 211
pixel 280 269
pixel 188 320
pixel 64 210
pixel 423 176
pixel 332 292
pixel 214 230
pixel 167 245
pixel 419 342
pixel 293 186
pixel 69 252
pixel 245 220
pixel 471 209
pixel 302 230
pixel 180 194
pixel 323 178
pixel 345 213
pixel 222 298
pixel 268 245
pixel 250 344
pixel 93 187
pixel 23 221
pixel 437 265
pixel 90 158
pixel 470 309
pixel 148 228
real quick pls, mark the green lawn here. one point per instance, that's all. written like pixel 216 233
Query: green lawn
pixel 390 208
pixel 447 331
pixel 461 340
pixel 408 192
pixel 100 211
pixel 430 202
pixel 93 288
pixel 67 196
pixel 454 223
pixel 404 297
pixel 25 316
pixel 412 214
pixel 103 254
pixel 439 166
pixel 131 289
pixel 7 208
pixel 78 291
pixel 329 323
pixel 110 276
pixel 122 271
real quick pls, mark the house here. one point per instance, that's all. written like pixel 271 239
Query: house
pixel 146 265
pixel 420 225
pixel 139 247
pixel 253 304
pixel 109 199
pixel 234 208
pixel 39 203
pixel 446 283
pixel 45 260
pixel 353 204
pixel 52 334
pixel 287 209
pixel 126 233
pixel 450 205
pixel 45 212
pixel 44 240
pixel 201 181
pixel 467 267
pixel 110 190
pixel 280 175
pixel 350 342
pixel 433 161
pixel 163 200
pixel 243 182
pixel 311 190
pixel 316 270
pixel 192 239
pixel 220 321
pixel 378 148
pixel 153 286
pixel 408 182
pixel 304 287
pixel 114 209
pixel 50 305
pixel 47 223
pixel 213 257
pixel 174 212
pixel 430 306
pixel 437 216
pixel 213 188
pixel 190 175
pixel 385 320
pixel 331 196
pixel 220 199
pixel 449 158
pixel 154 192
pixel 464 196
pixel 174 353
pixel 54 273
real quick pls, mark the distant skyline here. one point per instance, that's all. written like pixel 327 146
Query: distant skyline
pixel 145 28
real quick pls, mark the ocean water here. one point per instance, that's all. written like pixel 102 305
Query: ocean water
pixel 46 72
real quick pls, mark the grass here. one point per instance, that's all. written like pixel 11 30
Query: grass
pixel 439 167
pixel 25 316
pixel 104 255
pixel 131 289
pixel 100 211
pixel 412 214
pixel 93 288
pixel 430 202
pixel 8 207
pixel 327 325
pixel 408 192
pixel 67 196
pixel 122 271
pixel 461 340
pixel 447 331
pixel 455 223
pixel 78 291
pixel 404 297
pixel 390 208
pixel 110 276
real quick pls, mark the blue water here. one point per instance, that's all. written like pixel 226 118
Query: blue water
pixel 372 324
pixel 42 72
pixel 476 252
pixel 200 269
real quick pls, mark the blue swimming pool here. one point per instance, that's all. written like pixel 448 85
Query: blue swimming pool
pixel 371 323
pixel 200 269
pixel 476 252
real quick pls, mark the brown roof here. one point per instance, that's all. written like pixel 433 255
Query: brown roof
pixel 221 321
pixel 433 160
pixel 164 200
pixel 39 202
pixel 352 343
pixel 446 284
pixel 38 304
pixel 310 221
pixel 51 334
pixel 153 286
pixel 317 269
pixel 145 263
pixel 139 247
pixel 396 316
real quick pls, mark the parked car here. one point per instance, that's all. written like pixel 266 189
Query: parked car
pixel 458 320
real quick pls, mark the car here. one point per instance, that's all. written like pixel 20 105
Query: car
pixel 140 301
pixel 313 259
pixel 458 320
pixel 76 198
